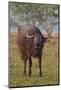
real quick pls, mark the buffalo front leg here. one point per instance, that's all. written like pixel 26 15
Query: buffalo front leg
pixel 39 59
pixel 30 64
pixel 25 67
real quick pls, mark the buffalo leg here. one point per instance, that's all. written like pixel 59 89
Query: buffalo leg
pixel 25 67
pixel 39 59
pixel 30 64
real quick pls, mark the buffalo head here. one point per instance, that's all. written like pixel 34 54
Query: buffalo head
pixel 38 42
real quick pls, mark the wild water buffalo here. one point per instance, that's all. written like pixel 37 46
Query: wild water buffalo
pixel 30 42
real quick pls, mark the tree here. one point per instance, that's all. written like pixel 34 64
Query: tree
pixel 45 15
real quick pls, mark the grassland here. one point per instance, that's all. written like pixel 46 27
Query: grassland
pixel 49 65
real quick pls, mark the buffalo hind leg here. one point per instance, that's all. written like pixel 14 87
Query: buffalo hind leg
pixel 30 64
pixel 39 59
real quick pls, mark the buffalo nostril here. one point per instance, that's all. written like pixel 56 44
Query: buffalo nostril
pixel 37 44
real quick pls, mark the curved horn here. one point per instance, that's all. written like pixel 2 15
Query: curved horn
pixel 28 36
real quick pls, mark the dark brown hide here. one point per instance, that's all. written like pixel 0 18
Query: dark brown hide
pixel 30 42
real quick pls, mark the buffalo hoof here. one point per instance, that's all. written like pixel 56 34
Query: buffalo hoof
pixel 25 73
pixel 29 75
pixel 41 74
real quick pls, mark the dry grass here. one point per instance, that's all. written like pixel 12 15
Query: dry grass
pixel 49 65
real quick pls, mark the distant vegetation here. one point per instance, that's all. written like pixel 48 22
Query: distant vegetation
pixel 36 14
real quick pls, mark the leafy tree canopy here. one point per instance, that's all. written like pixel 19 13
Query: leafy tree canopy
pixel 46 15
